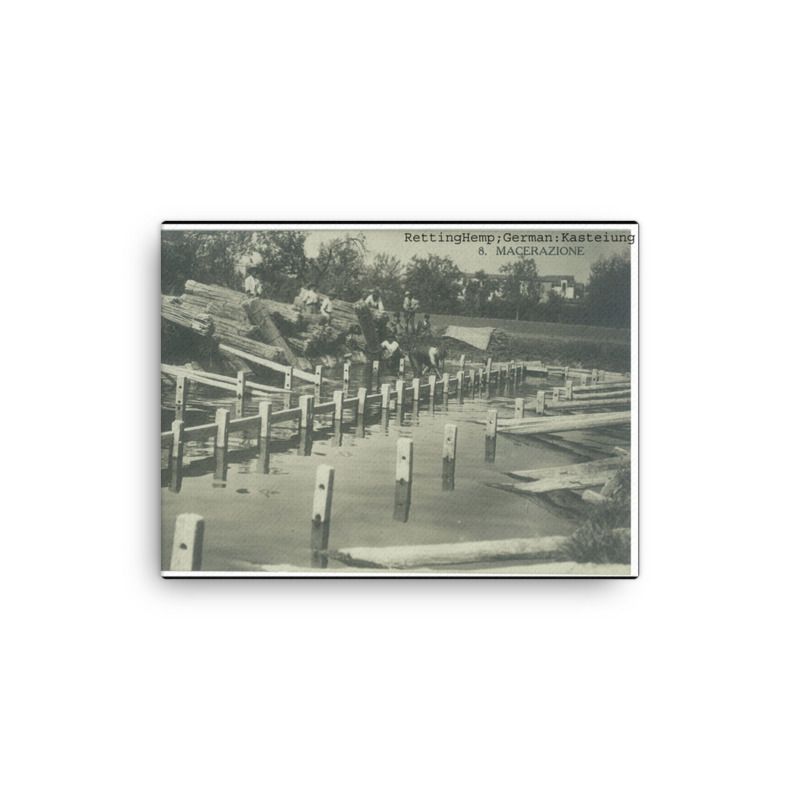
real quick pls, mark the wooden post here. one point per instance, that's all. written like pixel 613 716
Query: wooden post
pixel 401 368
pixel 480 380
pixel 540 402
pixel 566 374
pixel 488 370
pixel 338 405
pixel 595 376
pixel 288 378
pixel 187 543
pixel 176 456
pixel 449 458
pixel 400 388
pixel 385 388
pixel 376 370
pixel 181 391
pixel 403 477
pixel 307 412
pixel 222 418
pixel 346 378
pixel 472 382
pixel 361 411
pixel 569 390
pixel 415 389
pixel 321 516
pixel 318 376
pixel 460 384
pixel 432 388
pixel 445 386
pixel 491 436
pixel 519 408
pixel 461 361
pixel 241 387
pixel 265 413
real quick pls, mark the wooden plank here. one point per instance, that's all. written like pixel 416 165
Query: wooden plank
pixel 571 482
pixel 325 408
pixel 415 390
pixel 187 543
pixel 321 515
pixel 362 402
pixel 449 457
pixel 403 479
pixel 309 377
pixel 575 422
pixel 575 405
pixel 287 414
pixel 543 548
pixel 338 405
pixel 200 433
pixel 245 424
pixel 584 468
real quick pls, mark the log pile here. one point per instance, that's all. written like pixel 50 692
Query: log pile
pixel 268 328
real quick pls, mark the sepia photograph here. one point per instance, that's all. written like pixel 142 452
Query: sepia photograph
pixel 379 399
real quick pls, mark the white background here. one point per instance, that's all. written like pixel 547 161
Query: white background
pixel 681 683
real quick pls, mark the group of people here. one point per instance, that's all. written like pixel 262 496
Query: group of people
pixel 424 358
pixel 409 311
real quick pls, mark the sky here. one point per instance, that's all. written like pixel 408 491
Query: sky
pixel 467 255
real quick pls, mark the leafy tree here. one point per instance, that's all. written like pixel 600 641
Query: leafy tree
pixel 476 294
pixel 386 273
pixel 207 256
pixel 608 293
pixel 340 267
pixel 435 281
pixel 281 258
pixel 520 293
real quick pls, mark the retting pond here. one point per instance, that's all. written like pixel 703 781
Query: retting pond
pixel 255 518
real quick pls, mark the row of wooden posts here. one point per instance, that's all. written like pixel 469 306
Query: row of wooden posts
pixel 187 545
pixel 261 424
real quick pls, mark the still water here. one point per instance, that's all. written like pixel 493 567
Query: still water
pixel 256 518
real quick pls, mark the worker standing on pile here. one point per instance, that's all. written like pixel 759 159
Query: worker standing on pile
pixel 326 307
pixel 373 300
pixel 410 306
pixel 252 283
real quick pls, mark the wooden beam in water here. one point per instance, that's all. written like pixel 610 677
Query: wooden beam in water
pixel 575 422
pixel 176 456
pixel 543 548
pixel 181 393
pixel 222 418
pixel 264 431
pixel 274 365
pixel 584 468
pixel 200 433
pixel 403 478
pixel 449 457
pixel 321 516
pixel 576 405
pixel 187 543
pixel 491 436
pixel 571 482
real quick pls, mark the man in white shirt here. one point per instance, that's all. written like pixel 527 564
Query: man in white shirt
pixel 325 307
pixel 252 285
pixel 410 306
pixel 391 352
pixel 373 300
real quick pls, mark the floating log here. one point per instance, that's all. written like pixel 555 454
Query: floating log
pixel 585 468
pixel 577 422
pixel 577 405
pixel 436 555
pixel 571 482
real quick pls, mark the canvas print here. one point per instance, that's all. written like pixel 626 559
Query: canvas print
pixel 399 399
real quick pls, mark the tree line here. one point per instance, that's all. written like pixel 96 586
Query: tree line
pixel 343 269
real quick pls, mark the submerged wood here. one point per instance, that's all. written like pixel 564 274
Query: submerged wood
pixel 571 482
pixel 585 468
pixel 532 425
pixel 431 555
